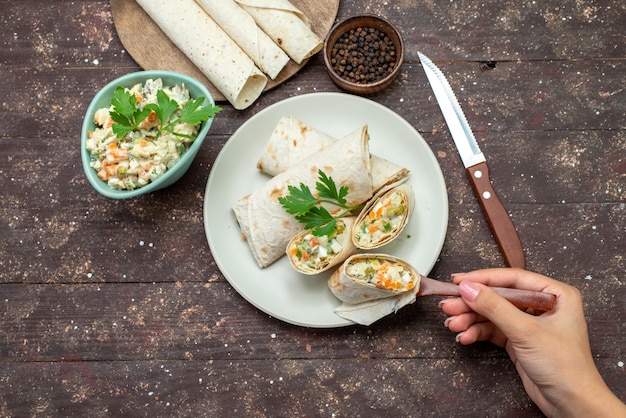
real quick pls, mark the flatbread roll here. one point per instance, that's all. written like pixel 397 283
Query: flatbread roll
pixel 292 140
pixel 366 313
pixel 267 226
pixel 311 254
pixel 202 40
pixel 242 28
pixel 384 217
pixel 368 277
pixel 286 25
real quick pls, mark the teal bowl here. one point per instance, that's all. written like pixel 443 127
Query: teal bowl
pixel 103 99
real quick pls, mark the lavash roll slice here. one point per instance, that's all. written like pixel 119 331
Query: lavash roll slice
pixel 266 225
pixel 242 28
pixel 312 254
pixel 384 217
pixel 366 313
pixel 367 277
pixel 206 44
pixel 286 25
pixel 292 140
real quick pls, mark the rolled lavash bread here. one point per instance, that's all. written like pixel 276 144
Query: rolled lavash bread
pixel 292 140
pixel 367 277
pixel 311 254
pixel 201 39
pixel 366 313
pixel 384 217
pixel 242 28
pixel 266 225
pixel 286 25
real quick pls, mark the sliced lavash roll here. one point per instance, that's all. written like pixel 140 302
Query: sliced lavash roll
pixel 286 25
pixel 266 225
pixel 367 277
pixel 366 313
pixel 292 140
pixel 312 254
pixel 384 217
pixel 387 175
pixel 202 40
pixel 242 28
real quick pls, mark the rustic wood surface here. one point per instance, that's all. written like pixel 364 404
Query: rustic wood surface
pixel 128 16
pixel 111 308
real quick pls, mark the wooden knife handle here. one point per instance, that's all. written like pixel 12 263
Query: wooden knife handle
pixel 499 220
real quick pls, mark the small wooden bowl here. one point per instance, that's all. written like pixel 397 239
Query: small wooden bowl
pixel 370 21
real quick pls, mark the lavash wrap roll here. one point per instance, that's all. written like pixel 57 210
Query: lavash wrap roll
pixel 286 25
pixel 242 28
pixel 366 313
pixel 202 40
pixel 292 140
pixel 266 225
pixel 354 287
pixel 368 233
pixel 326 252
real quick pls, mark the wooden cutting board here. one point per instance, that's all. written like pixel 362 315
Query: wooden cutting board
pixel 153 50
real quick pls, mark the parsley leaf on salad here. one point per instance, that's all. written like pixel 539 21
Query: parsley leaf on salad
pixel 128 116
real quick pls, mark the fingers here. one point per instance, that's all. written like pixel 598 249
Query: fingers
pixel 460 323
pixel 521 279
pixel 469 326
pixel 481 314
pixel 454 306
pixel 509 277
pixel 484 301
pixel 482 331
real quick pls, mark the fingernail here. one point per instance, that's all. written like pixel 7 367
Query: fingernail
pixel 468 290
pixel 458 337
pixel 443 302
pixel 446 323
pixel 453 275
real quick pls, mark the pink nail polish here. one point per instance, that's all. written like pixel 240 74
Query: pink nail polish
pixel 468 290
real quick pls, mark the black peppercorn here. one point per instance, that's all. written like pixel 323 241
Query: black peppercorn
pixel 363 55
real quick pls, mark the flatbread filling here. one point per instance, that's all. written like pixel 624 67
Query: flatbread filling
pixel 383 219
pixel 381 273
pixel 316 252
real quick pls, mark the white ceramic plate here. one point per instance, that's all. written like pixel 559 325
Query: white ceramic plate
pixel 278 290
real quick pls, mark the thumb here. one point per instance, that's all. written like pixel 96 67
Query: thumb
pixel 503 314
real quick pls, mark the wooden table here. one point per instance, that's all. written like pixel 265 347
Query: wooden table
pixel 111 308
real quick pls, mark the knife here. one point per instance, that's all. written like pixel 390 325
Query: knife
pixel 475 166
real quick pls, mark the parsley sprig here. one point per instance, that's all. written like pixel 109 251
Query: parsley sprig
pixel 308 208
pixel 128 116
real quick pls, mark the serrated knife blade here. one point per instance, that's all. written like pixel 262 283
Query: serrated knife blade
pixel 475 166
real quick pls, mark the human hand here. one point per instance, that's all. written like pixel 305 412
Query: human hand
pixel 550 350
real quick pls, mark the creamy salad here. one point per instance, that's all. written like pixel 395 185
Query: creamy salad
pixel 142 155
pixel 316 252
pixel 384 218
pixel 381 273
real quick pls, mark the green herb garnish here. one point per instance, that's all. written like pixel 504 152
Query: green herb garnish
pixel 128 116
pixel 307 208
